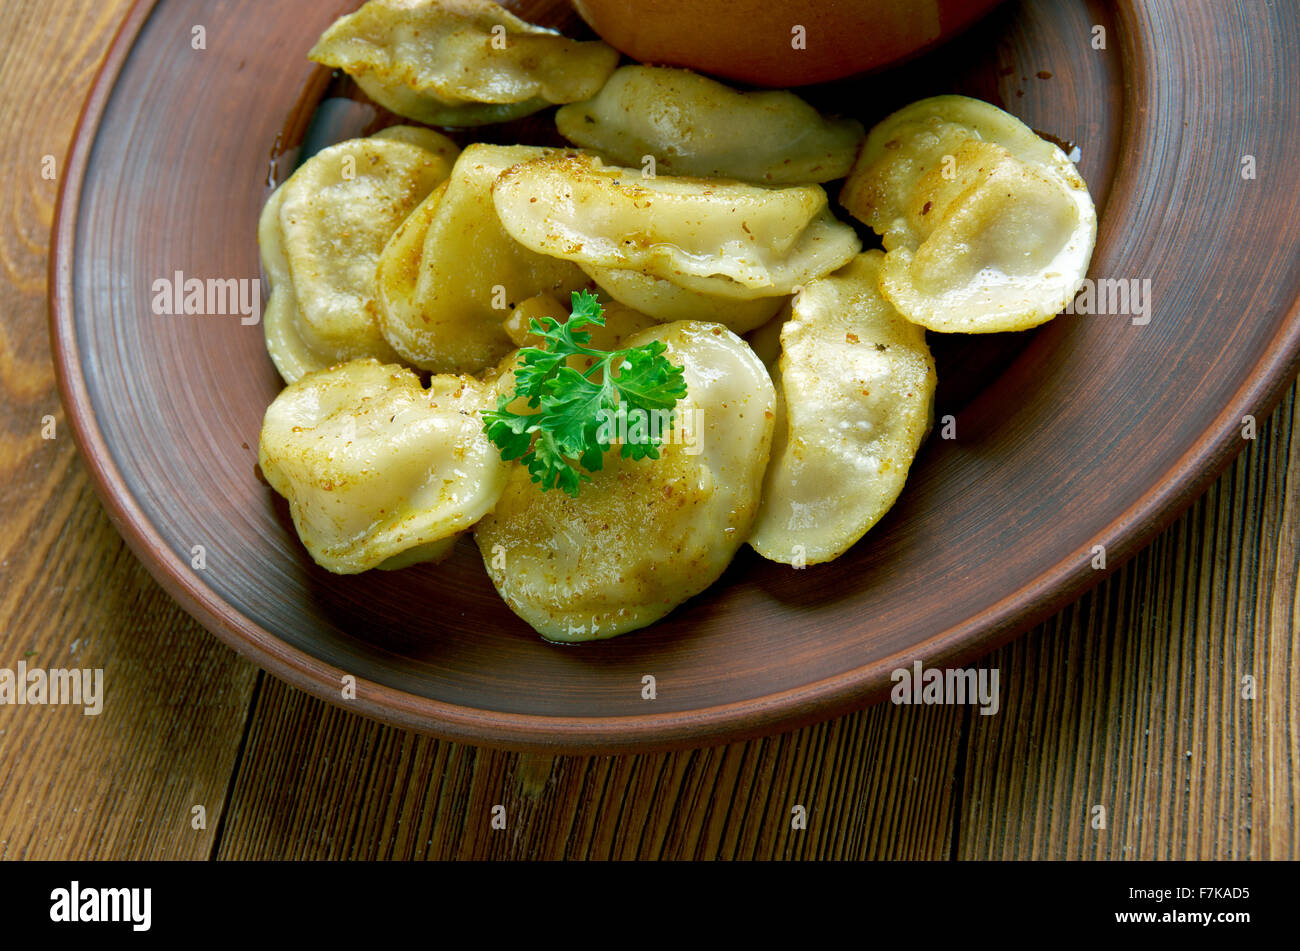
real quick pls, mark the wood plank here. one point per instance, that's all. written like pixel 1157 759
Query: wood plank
pixel 1132 699
pixel 1272 804
pixel 320 782
pixel 121 784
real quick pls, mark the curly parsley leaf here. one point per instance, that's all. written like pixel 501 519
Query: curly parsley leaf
pixel 569 429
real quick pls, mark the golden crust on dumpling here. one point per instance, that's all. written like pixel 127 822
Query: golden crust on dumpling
pixel 987 226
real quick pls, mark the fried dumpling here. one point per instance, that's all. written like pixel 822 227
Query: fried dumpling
pixel 643 535
pixel 855 389
pixel 380 472
pixel 320 235
pixel 988 227
pixel 451 274
pixel 696 126
pixel 460 62
pixel 724 239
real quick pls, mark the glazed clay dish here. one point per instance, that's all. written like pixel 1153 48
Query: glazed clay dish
pixel 1022 437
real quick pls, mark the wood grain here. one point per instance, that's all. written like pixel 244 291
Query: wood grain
pixel 1101 704
pixel 121 784
pixel 1133 699
pixel 322 783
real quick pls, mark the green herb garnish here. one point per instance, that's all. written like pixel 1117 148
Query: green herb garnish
pixel 570 426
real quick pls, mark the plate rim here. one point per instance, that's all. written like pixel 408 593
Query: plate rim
pixel 1053 588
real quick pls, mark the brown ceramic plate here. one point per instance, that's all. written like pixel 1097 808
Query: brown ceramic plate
pixel 1089 431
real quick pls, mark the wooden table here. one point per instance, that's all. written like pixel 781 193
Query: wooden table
pixel 1131 699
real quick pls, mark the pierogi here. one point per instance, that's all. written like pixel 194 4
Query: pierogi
pixel 855 388
pixel 692 125
pixel 725 239
pixel 667 302
pixel 643 535
pixel 987 226
pixel 320 235
pixel 460 62
pixel 379 471
pixel 451 274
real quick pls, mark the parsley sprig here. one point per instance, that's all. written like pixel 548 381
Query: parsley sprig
pixel 565 432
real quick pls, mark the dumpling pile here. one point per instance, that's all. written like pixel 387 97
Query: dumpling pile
pixel 415 286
